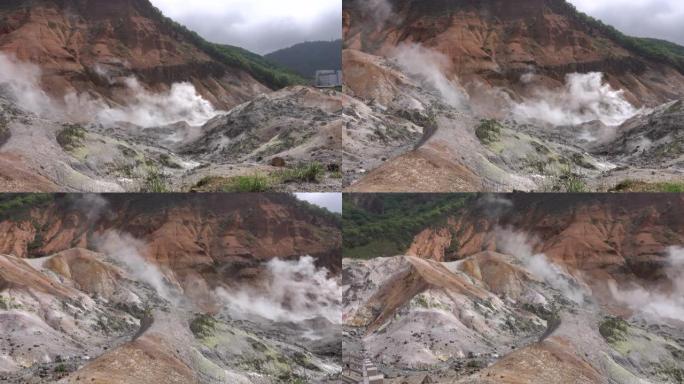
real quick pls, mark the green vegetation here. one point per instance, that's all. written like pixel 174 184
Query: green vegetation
pixel 11 204
pixel 454 245
pixel 489 131
pixel 387 224
pixel 613 329
pixel 71 137
pixel 254 183
pixel 261 69
pixel 155 182
pixel 203 326
pixel 5 133
pixel 61 368
pixel 642 186
pixel 168 162
pixel 568 181
pixel 302 173
pixel 654 49
pixel 306 58
pixel 259 182
pixel 335 218
pixel 7 303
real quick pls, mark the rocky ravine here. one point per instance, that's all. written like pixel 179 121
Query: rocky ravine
pixel 162 299
pixel 114 97
pixel 299 127
pixel 471 100
pixel 542 289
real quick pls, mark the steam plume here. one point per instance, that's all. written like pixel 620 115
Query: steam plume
pixel 520 245
pixel 428 65
pixel 21 82
pixel 295 291
pixel 662 304
pixel 584 98
pixel 127 250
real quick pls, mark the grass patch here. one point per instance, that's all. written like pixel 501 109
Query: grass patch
pixel 254 183
pixel 613 329
pixel 71 137
pixel 569 182
pixel 302 173
pixel 203 326
pixel 642 186
pixel 155 182
pixel 489 131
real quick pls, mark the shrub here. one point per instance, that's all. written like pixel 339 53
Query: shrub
pixel 71 137
pixel 155 182
pixel 203 326
pixel 641 186
pixel 489 131
pixel 613 329
pixel 254 183
pixel 303 173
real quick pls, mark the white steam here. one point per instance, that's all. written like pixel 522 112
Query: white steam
pixel 147 109
pixel 126 249
pixel 294 291
pixel 520 245
pixel 92 205
pixel 379 10
pixel 429 65
pixel 21 82
pixel 662 304
pixel 584 98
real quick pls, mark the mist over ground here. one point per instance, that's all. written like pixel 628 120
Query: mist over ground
pixel 21 82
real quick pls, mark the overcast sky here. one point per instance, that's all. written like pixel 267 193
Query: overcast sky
pixel 261 26
pixel 662 19
pixel 331 201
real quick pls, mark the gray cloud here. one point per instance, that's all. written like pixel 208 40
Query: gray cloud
pixel 663 19
pixel 261 26
pixel 331 201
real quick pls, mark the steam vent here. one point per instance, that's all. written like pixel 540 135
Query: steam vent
pixel 342 192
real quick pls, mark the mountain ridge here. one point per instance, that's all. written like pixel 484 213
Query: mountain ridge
pixel 82 45
pixel 496 42
pixel 308 57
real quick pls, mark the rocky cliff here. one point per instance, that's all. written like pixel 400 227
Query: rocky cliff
pixel 175 288
pixel 498 41
pixel 521 289
pixel 84 46
pixel 188 234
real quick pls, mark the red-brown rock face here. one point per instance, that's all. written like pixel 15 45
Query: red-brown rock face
pixel 497 41
pixel 212 237
pixel 79 45
pixel 601 237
